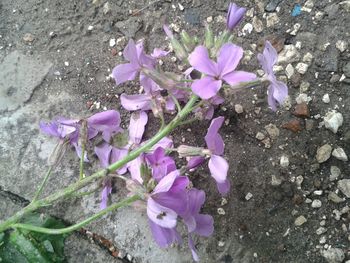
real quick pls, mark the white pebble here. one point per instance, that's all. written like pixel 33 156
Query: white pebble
pixel 112 42
pixel 325 98
pixel 316 203
pixel 333 120
pixel 340 154
pixel 284 161
pixel 248 196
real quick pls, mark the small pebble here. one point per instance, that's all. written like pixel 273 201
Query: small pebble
pixel 301 67
pixel 284 161
pixel 221 211
pixel 293 125
pixel 276 180
pixel 325 98
pixel 335 198
pixel 209 19
pixel 301 110
pixel 239 108
pixel 248 196
pixel 335 173
pixel 316 203
pixel 340 154
pixel 300 221
pixel 333 120
pixel 323 153
pixel 344 187
pixel 260 136
pixel 341 45
pixel 272 130
pixel 112 42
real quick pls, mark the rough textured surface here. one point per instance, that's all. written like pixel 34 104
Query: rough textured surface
pixel 78 85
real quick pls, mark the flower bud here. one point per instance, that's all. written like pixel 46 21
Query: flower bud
pixel 235 15
pixel 177 46
pixel 161 79
pixel 188 41
pixel 209 37
pixel 186 150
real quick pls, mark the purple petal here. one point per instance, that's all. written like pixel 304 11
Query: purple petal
pixel 125 72
pixel 271 101
pixel 268 58
pixel 157 53
pixel 199 59
pixel 166 183
pixel 51 129
pixel 148 84
pixel 174 201
pixel 193 249
pixel 224 187
pixel 161 215
pixel 131 51
pixel 229 57
pixel 138 121
pixel 168 31
pixel 134 168
pixel 196 200
pixel 218 167
pixel 78 150
pixel 164 237
pixel 165 143
pixel 195 162
pixel 206 87
pixel 235 15
pixel 236 77
pixel 213 139
pixel 106 122
pixel 216 100
pixel 103 153
pixel 180 183
pixel 136 102
pixel 204 225
pixel 280 91
pixel 60 128
pixel 107 190
pixel 116 155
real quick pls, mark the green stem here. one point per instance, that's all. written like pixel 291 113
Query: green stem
pixel 178 106
pixel 188 121
pixel 60 231
pixel 42 185
pixel 100 174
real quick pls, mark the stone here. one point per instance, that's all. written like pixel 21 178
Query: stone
pixel 239 108
pixel 303 98
pixel 272 19
pixel 344 187
pixel 321 230
pixel 289 54
pixel 272 5
pixel 301 110
pixel 257 24
pixel 309 124
pixel 335 198
pixel 129 27
pixel 260 136
pixel 340 154
pixel 300 221
pixel 247 29
pixel 335 78
pixel 307 58
pixel 316 203
pixel 276 180
pixel 304 86
pixel 289 71
pixel 276 41
pixel 106 8
pixel 28 38
pixel 295 30
pixel 293 125
pixel 333 255
pixel 325 98
pixel 323 153
pixel 333 120
pixel 301 67
pixel 341 45
pixel 335 173
pixel 272 130
pixel 346 70
pixel 284 161
pixel 19 76
pixel 112 42
pixel 248 196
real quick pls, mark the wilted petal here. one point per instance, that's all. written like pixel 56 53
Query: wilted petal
pixel 134 168
pixel 107 190
pixel 199 60
pixel 236 77
pixel 148 84
pixel 280 91
pixel 270 99
pixel 195 162
pixel 164 237
pixel 118 154
pixel 138 121
pixel 103 152
pixel 157 53
pixel 106 122
pixel 218 167
pixel 213 139
pixel 229 58
pixel 193 249
pixel 125 72
pixel 78 150
pixel 168 31
pixel 131 51
pixel 161 215
pixel 224 187
pixel 206 87
pixel 135 102
pixel 204 225
pixel 268 58
pixel 51 129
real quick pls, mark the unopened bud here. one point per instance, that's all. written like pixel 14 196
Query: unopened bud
pixel 209 37
pixel 186 150
pixel 188 41
pixel 161 79
pixel 151 184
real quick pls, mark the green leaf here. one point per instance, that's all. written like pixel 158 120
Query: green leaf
pixel 33 247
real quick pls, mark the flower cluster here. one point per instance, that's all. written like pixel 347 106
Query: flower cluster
pixel 167 194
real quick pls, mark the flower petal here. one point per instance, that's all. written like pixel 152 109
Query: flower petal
pixel 270 99
pixel 125 72
pixel 193 249
pixel 236 77
pixel 166 182
pixel 138 121
pixel 218 167
pixel 164 237
pixel 134 168
pixel 161 215
pixel 204 225
pixel 268 58
pixel 157 53
pixel 195 162
pixel 118 154
pixel 107 190
pixel 135 102
pixel 224 187
pixel 229 58
pixel 199 60
pixel 213 139
pixel 103 153
pixel 206 87
pixel 196 200
pixel 280 91
pixel 235 15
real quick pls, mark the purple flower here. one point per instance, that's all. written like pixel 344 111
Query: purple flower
pixel 206 111
pixel 235 15
pixel 164 204
pixel 137 58
pixel 218 166
pixel 160 163
pixel 277 91
pixel 215 72
pixel 106 122
pixel 197 223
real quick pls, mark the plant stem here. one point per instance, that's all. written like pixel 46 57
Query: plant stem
pixel 178 106
pixel 99 174
pixel 81 166
pixel 60 231
pixel 42 185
